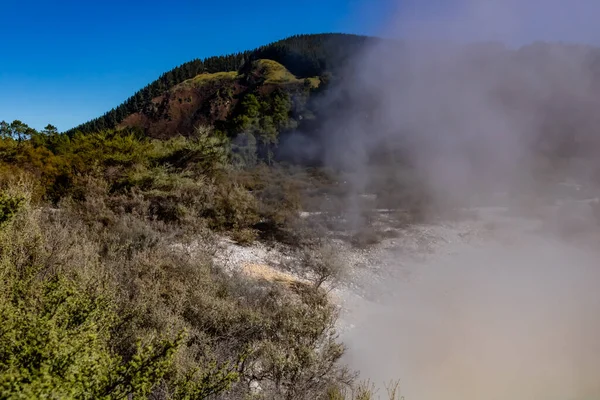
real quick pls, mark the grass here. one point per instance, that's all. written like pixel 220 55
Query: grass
pixel 206 78
pixel 274 72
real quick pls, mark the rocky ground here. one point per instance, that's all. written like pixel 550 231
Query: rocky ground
pixel 366 268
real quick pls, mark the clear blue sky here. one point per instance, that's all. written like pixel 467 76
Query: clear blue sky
pixel 65 62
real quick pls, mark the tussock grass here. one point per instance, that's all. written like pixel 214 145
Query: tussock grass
pixel 206 78
pixel 274 72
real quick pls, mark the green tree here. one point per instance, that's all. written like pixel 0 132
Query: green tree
pixel 50 130
pixel 247 120
pixel 281 110
pixel 16 130
pixel 251 106
pixel 244 150
pixel 268 137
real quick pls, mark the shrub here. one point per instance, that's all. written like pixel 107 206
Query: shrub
pixel 57 330
pixel 9 205
pixel 244 236
pixel 298 354
pixel 73 360
pixel 322 264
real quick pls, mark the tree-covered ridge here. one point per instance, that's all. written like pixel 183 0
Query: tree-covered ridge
pixel 218 99
pixel 304 56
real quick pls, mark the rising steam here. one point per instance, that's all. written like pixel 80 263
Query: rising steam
pixel 461 93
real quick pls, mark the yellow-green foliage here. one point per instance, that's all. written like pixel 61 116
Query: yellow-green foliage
pixel 314 82
pixel 9 205
pixel 177 178
pixel 55 343
pixel 56 332
pixel 274 72
pixel 216 76
pixel 206 78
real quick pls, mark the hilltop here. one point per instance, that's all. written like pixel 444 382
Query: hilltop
pixel 303 56
pixel 215 99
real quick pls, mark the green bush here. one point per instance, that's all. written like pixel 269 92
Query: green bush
pixel 55 342
pixel 9 205
pixel 56 331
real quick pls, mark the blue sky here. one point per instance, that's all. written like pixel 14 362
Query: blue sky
pixel 65 62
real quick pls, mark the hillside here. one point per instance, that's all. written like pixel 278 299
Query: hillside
pixel 133 249
pixel 215 99
pixel 305 56
pixel 553 86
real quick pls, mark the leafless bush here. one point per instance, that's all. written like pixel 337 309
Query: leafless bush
pixel 322 264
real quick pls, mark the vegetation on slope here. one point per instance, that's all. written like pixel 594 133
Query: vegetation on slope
pixel 205 78
pixel 274 72
pixel 106 249
pixel 305 56
pixel 106 254
pixel 305 67
pixel 107 240
pixel 220 99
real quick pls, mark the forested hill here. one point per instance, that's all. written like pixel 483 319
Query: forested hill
pixel 303 55
pixel 272 91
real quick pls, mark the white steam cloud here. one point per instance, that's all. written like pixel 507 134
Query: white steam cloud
pixel 518 321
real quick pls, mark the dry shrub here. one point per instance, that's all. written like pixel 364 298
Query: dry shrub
pixel 323 265
pixel 244 236
pixel 278 200
pixel 236 331
pixel 233 207
pixel 59 316
pixel 364 390
pixel 298 354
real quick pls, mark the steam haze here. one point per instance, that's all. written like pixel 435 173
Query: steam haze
pixel 512 22
pixel 466 110
pixel 463 97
